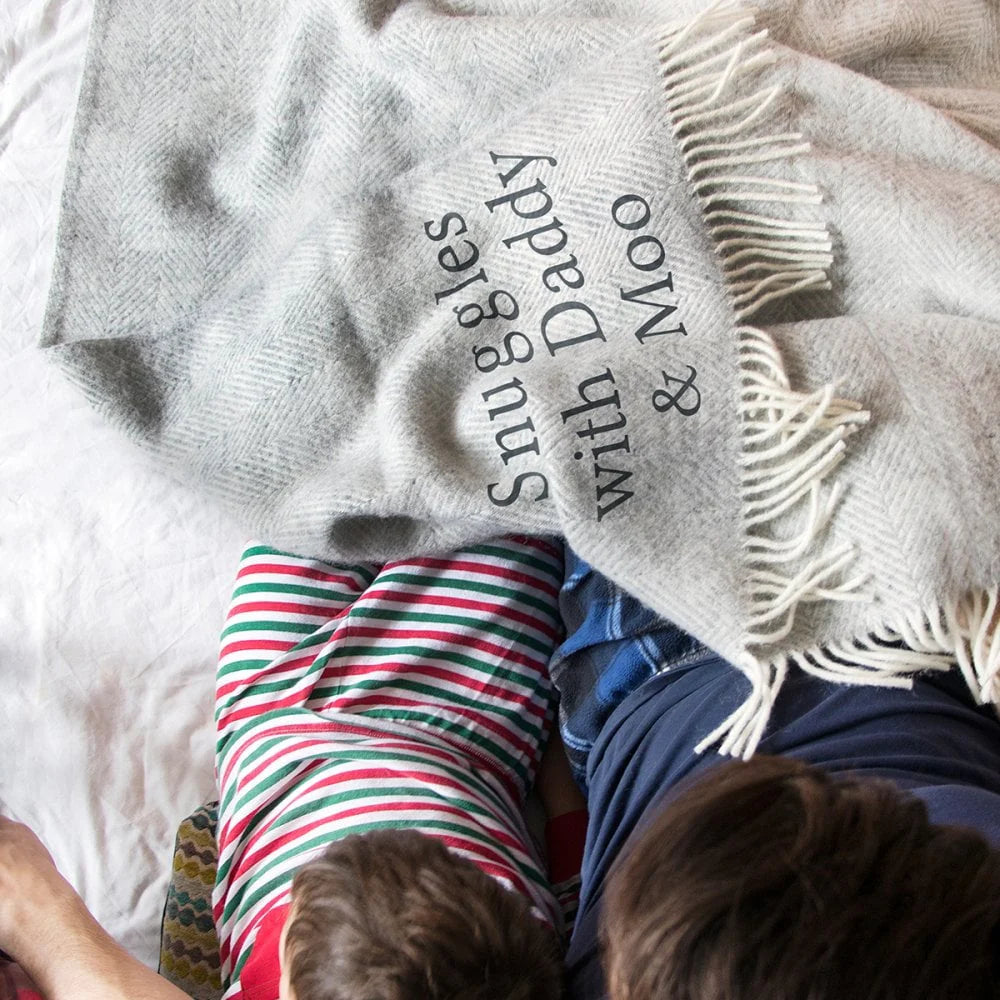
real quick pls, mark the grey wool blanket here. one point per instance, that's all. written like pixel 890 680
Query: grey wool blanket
pixel 714 292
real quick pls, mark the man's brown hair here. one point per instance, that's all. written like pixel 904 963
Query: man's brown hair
pixel 394 915
pixel 771 880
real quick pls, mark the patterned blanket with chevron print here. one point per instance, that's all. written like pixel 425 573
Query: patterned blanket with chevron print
pixel 189 945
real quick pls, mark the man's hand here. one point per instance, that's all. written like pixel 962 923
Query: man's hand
pixel 46 926
pixel 33 895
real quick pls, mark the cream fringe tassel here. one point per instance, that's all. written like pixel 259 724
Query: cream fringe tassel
pixel 965 633
pixel 764 257
pixel 792 441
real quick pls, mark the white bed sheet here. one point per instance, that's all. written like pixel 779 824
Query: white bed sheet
pixel 113 580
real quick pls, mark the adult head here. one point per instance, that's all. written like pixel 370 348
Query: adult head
pixel 772 879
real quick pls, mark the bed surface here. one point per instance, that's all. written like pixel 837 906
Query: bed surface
pixel 113 581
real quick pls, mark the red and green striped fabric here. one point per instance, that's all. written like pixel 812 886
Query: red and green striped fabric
pixel 359 697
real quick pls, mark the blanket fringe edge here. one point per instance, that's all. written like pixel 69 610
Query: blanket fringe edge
pixel 791 441
pixel 731 166
pixel 964 631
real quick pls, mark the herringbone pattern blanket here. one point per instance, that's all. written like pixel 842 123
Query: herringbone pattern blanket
pixel 711 291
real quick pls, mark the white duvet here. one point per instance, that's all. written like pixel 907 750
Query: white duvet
pixel 113 581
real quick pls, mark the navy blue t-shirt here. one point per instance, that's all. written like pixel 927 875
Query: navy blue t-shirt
pixel 931 741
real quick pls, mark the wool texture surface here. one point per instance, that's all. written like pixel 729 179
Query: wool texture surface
pixel 714 292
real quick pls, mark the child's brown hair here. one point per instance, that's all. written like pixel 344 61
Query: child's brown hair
pixel 394 915
pixel 771 879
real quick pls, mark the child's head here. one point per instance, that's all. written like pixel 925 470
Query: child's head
pixel 394 915
pixel 772 879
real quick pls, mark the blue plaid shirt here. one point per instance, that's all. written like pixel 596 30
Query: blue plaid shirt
pixel 613 644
